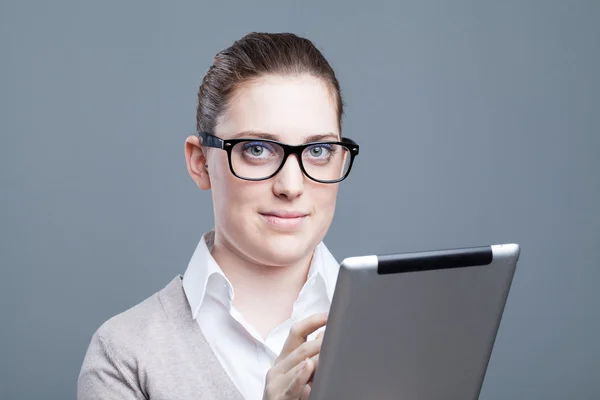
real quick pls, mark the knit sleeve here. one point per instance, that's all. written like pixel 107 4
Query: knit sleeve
pixel 103 377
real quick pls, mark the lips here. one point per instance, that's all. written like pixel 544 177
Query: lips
pixel 284 219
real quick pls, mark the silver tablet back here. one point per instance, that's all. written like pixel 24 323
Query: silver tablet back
pixel 417 326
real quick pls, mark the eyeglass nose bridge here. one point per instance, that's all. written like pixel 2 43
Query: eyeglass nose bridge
pixel 289 151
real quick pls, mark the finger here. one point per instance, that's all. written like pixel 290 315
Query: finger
pixel 315 360
pixel 299 376
pixel 300 331
pixel 320 335
pixel 306 392
pixel 306 350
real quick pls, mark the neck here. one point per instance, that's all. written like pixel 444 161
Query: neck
pixel 264 294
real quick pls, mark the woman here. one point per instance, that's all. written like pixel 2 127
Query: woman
pixel 242 322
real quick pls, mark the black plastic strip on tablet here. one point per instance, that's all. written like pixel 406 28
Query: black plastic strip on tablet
pixel 432 260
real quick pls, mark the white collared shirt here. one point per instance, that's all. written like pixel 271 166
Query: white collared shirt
pixel 243 353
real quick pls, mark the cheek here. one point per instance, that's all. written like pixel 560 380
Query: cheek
pixel 233 198
pixel 325 200
pixel 225 186
pixel 226 192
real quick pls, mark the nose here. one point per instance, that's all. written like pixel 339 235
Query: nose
pixel 289 182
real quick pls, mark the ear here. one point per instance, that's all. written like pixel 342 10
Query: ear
pixel 196 162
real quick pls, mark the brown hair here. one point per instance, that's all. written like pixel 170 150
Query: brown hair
pixel 252 57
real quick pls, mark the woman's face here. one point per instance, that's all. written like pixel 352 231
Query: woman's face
pixel 281 220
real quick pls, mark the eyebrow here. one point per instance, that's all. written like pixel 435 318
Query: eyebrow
pixel 269 136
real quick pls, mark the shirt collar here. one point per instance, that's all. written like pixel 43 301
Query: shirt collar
pixel 324 266
pixel 202 267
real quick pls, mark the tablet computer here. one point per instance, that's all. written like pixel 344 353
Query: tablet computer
pixel 414 326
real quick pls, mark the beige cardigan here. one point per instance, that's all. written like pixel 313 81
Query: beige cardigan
pixel 154 350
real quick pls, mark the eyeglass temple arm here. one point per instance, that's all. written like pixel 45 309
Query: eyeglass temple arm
pixel 211 140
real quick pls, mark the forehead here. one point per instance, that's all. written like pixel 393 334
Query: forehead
pixel 289 107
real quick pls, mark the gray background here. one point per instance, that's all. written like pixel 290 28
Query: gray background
pixel 479 123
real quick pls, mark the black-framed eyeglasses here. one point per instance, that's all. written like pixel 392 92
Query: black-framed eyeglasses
pixel 260 159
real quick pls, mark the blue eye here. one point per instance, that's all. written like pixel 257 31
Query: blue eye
pixel 257 148
pixel 320 150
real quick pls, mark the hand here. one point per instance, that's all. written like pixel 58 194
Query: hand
pixel 291 375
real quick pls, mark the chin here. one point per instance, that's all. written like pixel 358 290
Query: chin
pixel 287 249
